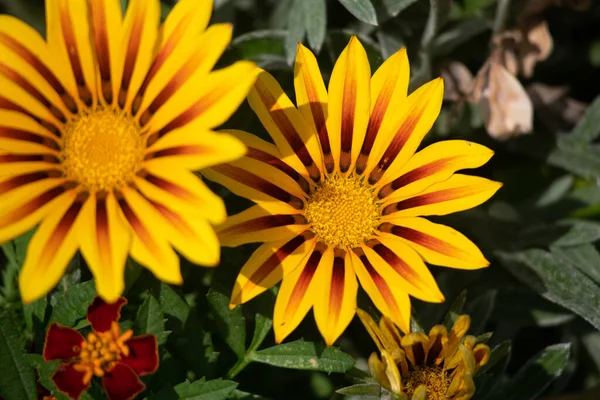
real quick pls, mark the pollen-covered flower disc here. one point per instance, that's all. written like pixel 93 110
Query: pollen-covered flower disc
pixel 341 192
pixel 101 126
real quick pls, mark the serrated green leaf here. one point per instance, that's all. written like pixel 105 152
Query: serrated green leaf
pixel 315 19
pixel 231 323
pixel 364 390
pixel 72 305
pixel 537 374
pixel 480 310
pixel 557 281
pixel 17 380
pixel 305 355
pixel 584 257
pixel 33 314
pixel 217 389
pixel 455 310
pixel 150 319
pixel 361 9
pixel 296 27
pixel 173 304
pixel 45 370
pixel 580 159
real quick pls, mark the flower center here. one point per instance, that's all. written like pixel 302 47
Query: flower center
pixel 101 350
pixel 434 378
pixel 343 212
pixel 102 150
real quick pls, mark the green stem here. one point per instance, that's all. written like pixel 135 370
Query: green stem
pixel 239 366
pixel 501 15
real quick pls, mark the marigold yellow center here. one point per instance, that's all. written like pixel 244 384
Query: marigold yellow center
pixel 435 379
pixel 102 149
pixel 101 350
pixel 343 212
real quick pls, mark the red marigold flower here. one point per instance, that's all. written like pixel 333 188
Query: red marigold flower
pixel 118 357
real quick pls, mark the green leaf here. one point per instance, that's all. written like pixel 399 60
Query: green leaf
pixel 173 304
pixel 150 319
pixel 72 305
pixel 580 232
pixel 584 257
pixel 262 327
pixel 588 127
pixel 17 380
pixel 315 18
pixel 241 395
pixel 364 390
pixel 387 9
pixel 578 158
pixel 556 191
pixel 537 374
pixel 557 281
pixel 296 29
pixel 266 48
pixel 499 353
pixel 361 9
pixel 480 310
pixel 446 42
pixel 34 313
pixel 455 310
pixel 45 370
pixel 231 323
pixel 305 355
pixel 217 389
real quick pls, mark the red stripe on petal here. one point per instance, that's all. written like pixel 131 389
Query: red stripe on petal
pixel 428 241
pixel 379 282
pixel 102 314
pixel 266 222
pixel 432 198
pixel 143 354
pixel 41 68
pixel 336 294
pixel 18 134
pixel 258 183
pixel 30 206
pixel 267 158
pixel 102 51
pixel 62 343
pixel 397 264
pixel 175 219
pixel 122 383
pixel 348 110
pixel 299 291
pixel 6 104
pixel 70 381
pixel 61 231
pixel 103 233
pixel 172 188
pixel 133 48
pixel 287 130
pixel 10 158
pixel 21 180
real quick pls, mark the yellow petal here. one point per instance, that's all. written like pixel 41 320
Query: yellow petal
pixel 437 244
pixel 296 141
pixel 269 264
pixel 415 117
pixel 311 98
pixel 349 104
pixel 336 305
pixel 420 393
pixel 436 163
pixel 104 239
pixel 261 223
pixel 149 245
pixel 416 346
pixel 377 371
pixel 392 373
pixel 52 246
pixel 298 292
pixel 389 86
pixel 390 301
pixel 458 193
pixel 20 134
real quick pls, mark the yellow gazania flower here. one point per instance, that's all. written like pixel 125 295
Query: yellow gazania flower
pixel 100 127
pixel 416 366
pixel 339 194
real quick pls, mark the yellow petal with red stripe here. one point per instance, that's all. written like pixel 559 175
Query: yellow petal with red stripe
pixel 389 300
pixel 434 164
pixel 52 246
pixel 438 244
pixel 104 239
pixel 20 134
pixel 335 305
pixel 396 145
pixel 349 103
pixel 458 193
pixel 292 134
pixel 269 264
pixel 299 291
pixel 389 86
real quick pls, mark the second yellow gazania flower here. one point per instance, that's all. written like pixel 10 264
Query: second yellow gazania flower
pixel 100 127
pixel 340 193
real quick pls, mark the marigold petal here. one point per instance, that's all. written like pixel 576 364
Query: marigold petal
pixel 122 383
pixel 143 354
pixel 270 263
pixel 335 305
pixel 102 314
pixel 52 246
pixel 70 381
pixel 62 342
pixel 298 292
pixel 105 239
pixel 349 104
pixel 437 244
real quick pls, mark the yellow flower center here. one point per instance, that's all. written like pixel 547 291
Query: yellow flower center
pixel 101 350
pixel 102 149
pixel 343 212
pixel 434 378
